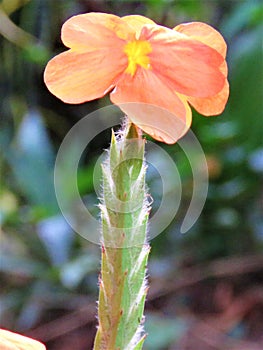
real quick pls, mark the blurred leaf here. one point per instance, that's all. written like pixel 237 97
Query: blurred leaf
pixel 29 315
pixel 72 273
pixel 227 217
pixel 246 99
pixel 233 188
pixel 162 332
pixel 256 160
pixel 57 236
pixel 20 266
pixel 8 204
pixel 32 306
pixel 10 6
pixel 32 159
pixel 36 53
pixel 245 13
pixel 85 178
pixel 13 33
pixel 32 137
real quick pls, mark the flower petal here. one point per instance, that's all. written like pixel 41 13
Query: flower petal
pixel 79 77
pixel 92 31
pixel 204 33
pixel 137 22
pixel 212 105
pixel 14 341
pixel 186 65
pixel 152 106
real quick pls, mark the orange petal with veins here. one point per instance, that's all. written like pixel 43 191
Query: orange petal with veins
pixel 14 341
pixel 204 33
pixel 186 65
pixel 153 106
pixel 213 105
pixel 79 77
pixel 92 31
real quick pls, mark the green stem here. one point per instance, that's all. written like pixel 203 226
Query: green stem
pixel 124 215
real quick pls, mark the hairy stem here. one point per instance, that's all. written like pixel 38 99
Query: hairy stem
pixel 124 216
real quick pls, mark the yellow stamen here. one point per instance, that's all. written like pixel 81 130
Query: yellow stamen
pixel 137 52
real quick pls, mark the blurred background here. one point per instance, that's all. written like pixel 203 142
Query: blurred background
pixel 206 286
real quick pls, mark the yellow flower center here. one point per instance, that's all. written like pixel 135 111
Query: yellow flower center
pixel 137 52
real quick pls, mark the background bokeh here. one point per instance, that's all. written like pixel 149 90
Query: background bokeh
pixel 206 286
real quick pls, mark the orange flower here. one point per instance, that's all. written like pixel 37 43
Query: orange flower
pixel 153 72
pixel 14 341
